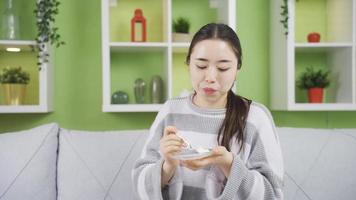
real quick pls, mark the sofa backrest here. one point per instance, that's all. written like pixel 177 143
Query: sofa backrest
pixel 28 163
pixel 319 163
pixel 97 165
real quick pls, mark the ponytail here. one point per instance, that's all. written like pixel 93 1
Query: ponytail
pixel 237 109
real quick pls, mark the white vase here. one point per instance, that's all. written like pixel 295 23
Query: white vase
pixel 14 93
pixel 9 27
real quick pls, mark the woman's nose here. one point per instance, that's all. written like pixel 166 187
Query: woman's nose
pixel 210 75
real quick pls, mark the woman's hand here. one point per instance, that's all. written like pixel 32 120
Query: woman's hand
pixel 220 157
pixel 170 144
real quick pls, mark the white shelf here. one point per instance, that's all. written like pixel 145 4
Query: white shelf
pixel 111 50
pixel 45 93
pixel 322 106
pixel 138 46
pixel 40 87
pixel 45 80
pixel 132 108
pixel 322 45
pixel 24 45
pixel 180 44
pixel 336 52
pixel 24 109
pixel 18 42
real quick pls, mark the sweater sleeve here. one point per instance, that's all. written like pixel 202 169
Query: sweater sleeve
pixel 146 173
pixel 262 176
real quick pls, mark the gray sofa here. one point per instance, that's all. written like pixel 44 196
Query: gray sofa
pixel 48 162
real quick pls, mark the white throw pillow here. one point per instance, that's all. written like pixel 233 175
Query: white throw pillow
pixel 28 163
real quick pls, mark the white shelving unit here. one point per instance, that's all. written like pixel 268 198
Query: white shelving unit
pixel 45 80
pixel 336 21
pixel 225 13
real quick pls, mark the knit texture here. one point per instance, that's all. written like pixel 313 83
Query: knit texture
pixel 256 172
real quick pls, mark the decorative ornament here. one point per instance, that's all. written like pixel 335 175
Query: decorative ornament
pixel 138 27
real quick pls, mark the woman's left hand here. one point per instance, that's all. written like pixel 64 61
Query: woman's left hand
pixel 220 157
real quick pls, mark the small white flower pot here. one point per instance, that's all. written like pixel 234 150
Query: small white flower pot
pixel 181 37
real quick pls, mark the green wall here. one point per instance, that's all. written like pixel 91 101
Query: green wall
pixel 78 76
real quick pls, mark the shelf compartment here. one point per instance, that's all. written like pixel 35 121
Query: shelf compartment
pixel 331 18
pixel 338 61
pixel 28 62
pixel 122 59
pixel 39 91
pixel 26 17
pixel 198 12
pixel 120 20
pixel 128 66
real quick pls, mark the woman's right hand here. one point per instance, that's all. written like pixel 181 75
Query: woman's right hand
pixel 170 144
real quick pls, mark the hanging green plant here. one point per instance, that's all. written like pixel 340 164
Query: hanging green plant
pixel 285 16
pixel 45 11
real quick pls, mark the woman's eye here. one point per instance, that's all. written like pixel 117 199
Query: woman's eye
pixel 201 67
pixel 223 69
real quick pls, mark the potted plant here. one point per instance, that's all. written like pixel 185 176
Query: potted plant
pixel 14 81
pixel 181 30
pixel 45 11
pixel 314 81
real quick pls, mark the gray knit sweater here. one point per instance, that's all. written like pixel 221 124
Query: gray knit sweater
pixel 256 172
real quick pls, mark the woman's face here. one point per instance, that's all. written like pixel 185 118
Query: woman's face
pixel 213 70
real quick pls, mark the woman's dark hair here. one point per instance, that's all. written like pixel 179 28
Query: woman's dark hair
pixel 237 107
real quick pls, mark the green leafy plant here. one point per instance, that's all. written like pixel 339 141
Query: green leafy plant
pixel 313 79
pixel 45 11
pixel 285 16
pixel 14 75
pixel 181 25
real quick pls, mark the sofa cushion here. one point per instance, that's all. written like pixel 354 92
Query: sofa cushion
pixel 319 163
pixel 97 165
pixel 28 163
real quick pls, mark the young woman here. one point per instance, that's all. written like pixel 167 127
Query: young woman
pixel 246 160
